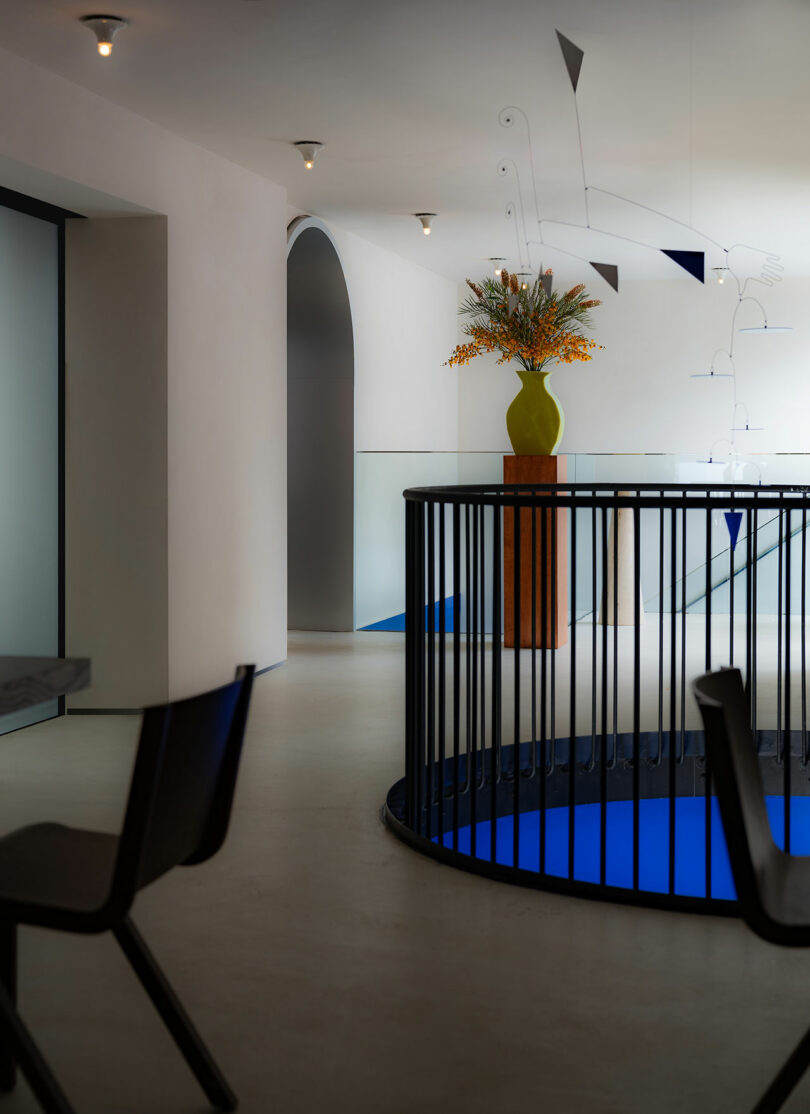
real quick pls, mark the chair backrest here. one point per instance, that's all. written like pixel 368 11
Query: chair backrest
pixel 740 792
pixel 183 783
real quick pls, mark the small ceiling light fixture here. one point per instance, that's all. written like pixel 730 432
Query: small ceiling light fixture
pixel 721 274
pixel 497 262
pixel 425 219
pixel 105 28
pixel 524 278
pixel 309 148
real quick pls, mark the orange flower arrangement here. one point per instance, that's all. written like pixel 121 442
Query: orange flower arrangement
pixel 527 324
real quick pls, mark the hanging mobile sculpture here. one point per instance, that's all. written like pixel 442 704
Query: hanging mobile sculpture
pixel 693 262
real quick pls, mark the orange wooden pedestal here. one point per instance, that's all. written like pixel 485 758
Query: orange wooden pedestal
pixel 539 470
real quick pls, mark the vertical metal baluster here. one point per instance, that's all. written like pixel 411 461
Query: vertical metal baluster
pixel 787 680
pixel 660 633
pixel 419 622
pixel 411 664
pixel 495 741
pixel 615 758
pixel 456 663
pixel 731 595
pixel 483 669
pixel 752 681
pixel 804 630
pixel 748 597
pixel 517 626
pixel 551 633
pixel 544 702
pixel 441 778
pixel 673 649
pixel 708 591
pixel 684 522
pixel 708 664
pixel 594 655
pixel 533 769
pixel 636 691
pixel 543 637
pixel 780 740
pixel 603 771
pixel 572 708
pixel 472 773
pixel 431 664
pixel 469 699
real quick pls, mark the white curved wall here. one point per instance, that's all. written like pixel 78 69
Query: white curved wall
pixel 404 329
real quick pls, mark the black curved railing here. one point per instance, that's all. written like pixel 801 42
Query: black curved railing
pixel 575 761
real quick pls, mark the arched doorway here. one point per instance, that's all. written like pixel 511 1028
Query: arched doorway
pixel 320 433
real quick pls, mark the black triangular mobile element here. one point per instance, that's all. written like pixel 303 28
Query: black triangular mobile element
pixel 546 284
pixel 691 261
pixel 733 520
pixel 573 58
pixel 609 272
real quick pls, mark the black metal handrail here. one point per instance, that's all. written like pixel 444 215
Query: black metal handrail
pixel 498 735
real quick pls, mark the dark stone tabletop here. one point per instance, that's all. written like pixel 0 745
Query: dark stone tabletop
pixel 26 681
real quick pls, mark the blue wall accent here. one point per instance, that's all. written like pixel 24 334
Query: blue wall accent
pixel 397 622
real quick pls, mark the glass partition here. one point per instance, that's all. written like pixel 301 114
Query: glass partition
pixel 381 477
pixel 30 559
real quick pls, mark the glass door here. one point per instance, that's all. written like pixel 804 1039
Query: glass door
pixel 30 443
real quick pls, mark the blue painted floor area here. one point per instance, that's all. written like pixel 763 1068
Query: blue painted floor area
pixel 397 622
pixel 690 843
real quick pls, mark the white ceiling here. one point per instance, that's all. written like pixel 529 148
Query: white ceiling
pixel 698 108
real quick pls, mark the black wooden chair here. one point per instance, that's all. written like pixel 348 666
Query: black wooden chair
pixel 773 888
pixel 178 810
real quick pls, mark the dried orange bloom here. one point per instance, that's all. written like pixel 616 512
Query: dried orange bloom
pixel 532 327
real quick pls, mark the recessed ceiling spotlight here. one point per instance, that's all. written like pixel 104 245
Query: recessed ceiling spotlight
pixel 425 219
pixel 105 28
pixel 309 148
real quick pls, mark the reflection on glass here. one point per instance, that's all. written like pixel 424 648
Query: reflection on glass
pixel 29 444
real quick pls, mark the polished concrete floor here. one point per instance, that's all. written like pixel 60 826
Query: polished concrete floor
pixel 333 969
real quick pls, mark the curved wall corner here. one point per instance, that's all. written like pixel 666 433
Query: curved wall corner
pixel 320 433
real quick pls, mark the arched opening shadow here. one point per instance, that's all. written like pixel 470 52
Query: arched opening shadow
pixel 320 433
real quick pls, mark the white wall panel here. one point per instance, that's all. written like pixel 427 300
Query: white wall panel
pixel 226 391
pixel 637 396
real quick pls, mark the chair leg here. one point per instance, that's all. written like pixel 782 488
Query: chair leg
pixel 790 1074
pixel 39 1076
pixel 8 979
pixel 177 1021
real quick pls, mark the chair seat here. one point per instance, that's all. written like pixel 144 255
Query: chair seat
pixel 51 866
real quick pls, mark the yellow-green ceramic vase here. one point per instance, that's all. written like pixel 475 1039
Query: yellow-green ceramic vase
pixel 534 420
